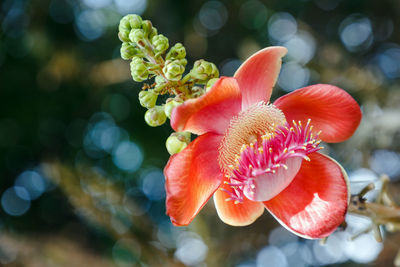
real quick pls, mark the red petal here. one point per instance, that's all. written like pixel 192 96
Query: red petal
pixel 240 214
pixel 211 112
pixel 315 203
pixel 331 110
pixel 258 74
pixel 192 176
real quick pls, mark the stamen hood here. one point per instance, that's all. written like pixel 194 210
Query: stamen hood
pixel 264 168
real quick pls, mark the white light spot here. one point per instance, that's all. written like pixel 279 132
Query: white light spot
pixel 271 256
pixel 90 24
pixel 385 162
pixel 363 249
pixel 293 76
pixel 362 177
pixel 191 249
pixel 97 3
pixel 301 48
pixel 356 32
pixel 331 252
pixel 127 156
pixel 282 26
pixel 125 7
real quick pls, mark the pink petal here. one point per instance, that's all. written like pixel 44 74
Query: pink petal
pixel 258 74
pixel 315 203
pixel 211 112
pixel 240 214
pixel 192 176
pixel 268 185
pixel 331 110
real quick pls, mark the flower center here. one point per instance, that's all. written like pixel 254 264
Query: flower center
pixel 247 128
pixel 266 163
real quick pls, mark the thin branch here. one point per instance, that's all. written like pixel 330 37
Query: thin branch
pixel 382 212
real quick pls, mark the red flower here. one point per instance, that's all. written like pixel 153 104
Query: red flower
pixel 252 155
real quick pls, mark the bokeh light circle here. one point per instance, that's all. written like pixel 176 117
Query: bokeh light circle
pixel 127 156
pixel 14 201
pixel 33 183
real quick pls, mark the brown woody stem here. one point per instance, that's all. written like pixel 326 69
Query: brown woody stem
pixel 382 212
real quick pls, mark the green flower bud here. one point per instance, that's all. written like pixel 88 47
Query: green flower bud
pixel 148 98
pixel 128 51
pixel 182 61
pixel 128 23
pixel 210 83
pixel 124 36
pixel 204 70
pixel 155 116
pixel 147 27
pixel 124 24
pixel 136 35
pixel 174 69
pixel 135 21
pixel 159 80
pixel 176 142
pixel 160 43
pixel 139 70
pixel 178 51
pixel 169 106
pixel 153 33
pixel 197 91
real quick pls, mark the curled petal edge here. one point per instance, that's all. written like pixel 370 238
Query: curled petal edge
pixel 345 177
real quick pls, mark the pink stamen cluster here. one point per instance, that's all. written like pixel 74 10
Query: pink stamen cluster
pixel 257 159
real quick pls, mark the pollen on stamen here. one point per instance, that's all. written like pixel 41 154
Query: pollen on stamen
pixel 269 154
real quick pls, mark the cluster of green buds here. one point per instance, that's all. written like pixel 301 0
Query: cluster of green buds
pixel 150 59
